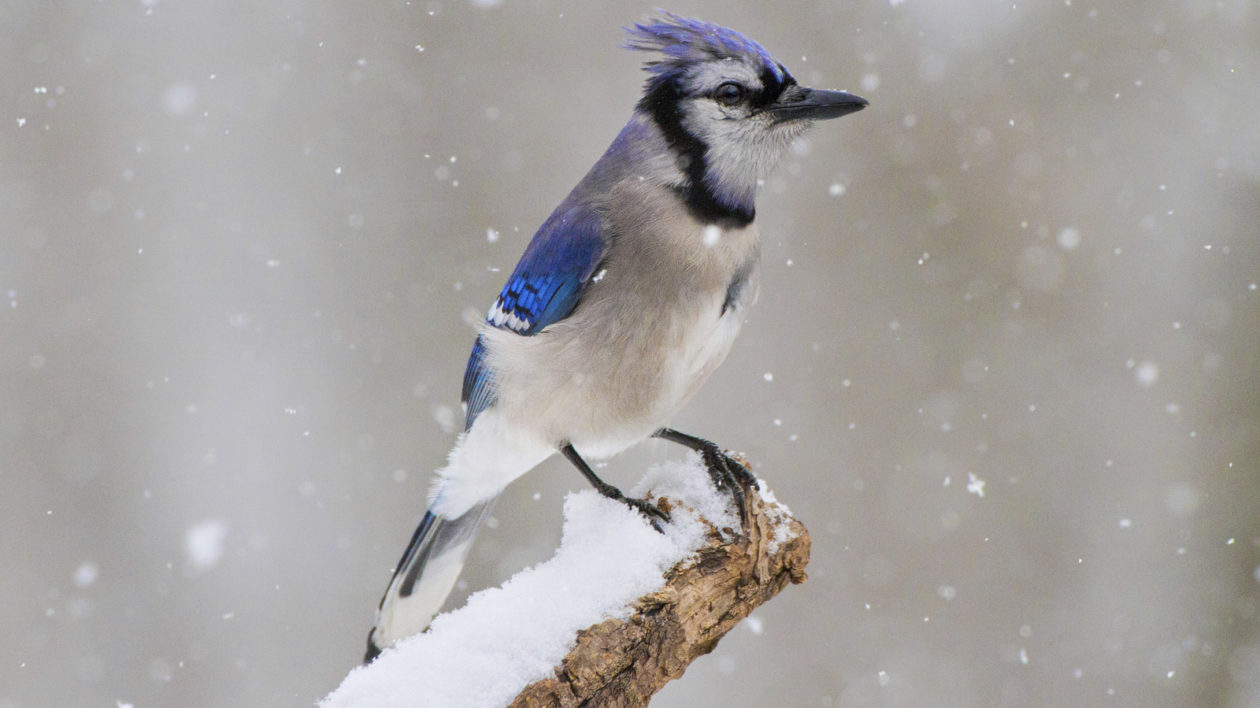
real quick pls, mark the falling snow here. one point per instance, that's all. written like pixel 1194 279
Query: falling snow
pixel 975 485
pixel 86 574
pixel 236 278
pixel 203 543
pixel 712 234
pixel 1147 373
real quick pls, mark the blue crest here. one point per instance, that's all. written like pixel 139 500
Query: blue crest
pixel 686 42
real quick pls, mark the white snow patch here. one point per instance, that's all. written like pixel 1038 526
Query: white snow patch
pixel 507 637
pixel 779 515
pixel 687 481
pixel 203 543
pixel 1147 373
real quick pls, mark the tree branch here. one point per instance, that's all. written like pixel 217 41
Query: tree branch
pixel 700 582
pixel 623 662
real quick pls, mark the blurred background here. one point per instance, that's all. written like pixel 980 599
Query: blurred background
pixel 1004 366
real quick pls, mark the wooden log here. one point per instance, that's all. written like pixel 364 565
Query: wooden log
pixel 623 662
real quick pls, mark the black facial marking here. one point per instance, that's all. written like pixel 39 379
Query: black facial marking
pixel 664 104
pixel 772 87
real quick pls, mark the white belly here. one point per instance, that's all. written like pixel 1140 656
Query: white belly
pixel 602 383
pixel 644 337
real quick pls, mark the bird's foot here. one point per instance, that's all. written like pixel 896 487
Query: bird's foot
pixel 655 515
pixel 728 473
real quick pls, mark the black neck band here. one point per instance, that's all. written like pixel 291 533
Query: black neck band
pixel 663 104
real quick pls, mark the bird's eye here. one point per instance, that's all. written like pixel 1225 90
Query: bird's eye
pixel 729 93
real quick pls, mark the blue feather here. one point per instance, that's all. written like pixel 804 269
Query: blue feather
pixel 543 289
pixel 550 276
pixel 685 42
pixel 478 389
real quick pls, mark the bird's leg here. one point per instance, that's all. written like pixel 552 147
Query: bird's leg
pixel 724 470
pixel 649 510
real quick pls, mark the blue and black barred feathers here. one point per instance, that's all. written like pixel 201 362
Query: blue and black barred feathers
pixel 547 282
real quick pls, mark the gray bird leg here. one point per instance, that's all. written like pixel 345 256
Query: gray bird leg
pixel 725 471
pixel 649 510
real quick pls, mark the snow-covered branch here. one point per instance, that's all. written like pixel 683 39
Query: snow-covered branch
pixel 618 612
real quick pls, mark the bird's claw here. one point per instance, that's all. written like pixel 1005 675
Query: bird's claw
pixel 655 515
pixel 729 473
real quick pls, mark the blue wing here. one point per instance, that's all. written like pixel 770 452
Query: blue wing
pixel 544 288
pixel 478 393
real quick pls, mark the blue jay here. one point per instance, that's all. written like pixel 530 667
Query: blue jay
pixel 624 302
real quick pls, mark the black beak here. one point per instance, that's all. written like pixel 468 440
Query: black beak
pixel 800 103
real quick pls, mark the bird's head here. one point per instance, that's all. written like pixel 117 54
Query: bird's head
pixel 726 107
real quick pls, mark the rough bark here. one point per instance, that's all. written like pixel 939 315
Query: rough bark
pixel 623 662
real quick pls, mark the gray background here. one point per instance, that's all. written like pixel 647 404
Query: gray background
pixel 242 245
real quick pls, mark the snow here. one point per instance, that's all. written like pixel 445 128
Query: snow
pixel 975 485
pixel 86 574
pixel 712 234
pixel 203 544
pixel 780 515
pixel 755 625
pixel 1147 373
pixel 1068 238
pixel 507 637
